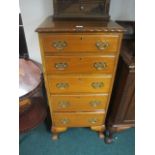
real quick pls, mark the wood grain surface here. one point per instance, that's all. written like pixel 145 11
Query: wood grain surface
pixel 79 102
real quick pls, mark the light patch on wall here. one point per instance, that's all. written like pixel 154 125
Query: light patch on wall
pixel 122 9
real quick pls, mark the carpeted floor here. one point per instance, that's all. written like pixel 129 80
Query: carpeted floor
pixel 76 141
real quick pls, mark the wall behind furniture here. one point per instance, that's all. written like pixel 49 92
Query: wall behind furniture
pixel 122 9
pixel 35 11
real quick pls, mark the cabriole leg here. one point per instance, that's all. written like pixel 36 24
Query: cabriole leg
pixel 99 129
pixel 56 130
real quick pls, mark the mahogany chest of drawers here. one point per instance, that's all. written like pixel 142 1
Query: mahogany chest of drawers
pixel 79 63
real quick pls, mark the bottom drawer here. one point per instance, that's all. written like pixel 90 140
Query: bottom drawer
pixel 79 119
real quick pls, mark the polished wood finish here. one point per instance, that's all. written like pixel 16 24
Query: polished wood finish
pixel 29 76
pixel 78 102
pixel 68 27
pixel 79 66
pixel 29 82
pixel 33 116
pixel 24 104
pixel 80 42
pixel 32 108
pixel 80 84
pixel 100 64
pixel 78 119
pixel 121 113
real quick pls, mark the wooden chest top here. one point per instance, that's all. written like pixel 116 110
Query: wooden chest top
pixel 50 25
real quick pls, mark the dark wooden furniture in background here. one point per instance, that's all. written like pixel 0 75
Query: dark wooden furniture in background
pixel 121 113
pixel 29 82
pixel 81 9
pixel 32 109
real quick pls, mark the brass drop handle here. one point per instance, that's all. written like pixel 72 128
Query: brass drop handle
pixel 93 120
pixel 97 85
pixel 62 85
pixel 95 103
pixel 61 66
pixel 64 121
pixel 59 45
pixel 100 65
pixel 64 104
pixel 101 45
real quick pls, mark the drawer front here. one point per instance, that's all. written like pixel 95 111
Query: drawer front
pixel 80 64
pixel 80 43
pixel 89 102
pixel 79 84
pixel 79 119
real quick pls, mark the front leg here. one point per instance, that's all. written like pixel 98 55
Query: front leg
pixel 99 129
pixel 56 130
pixel 108 136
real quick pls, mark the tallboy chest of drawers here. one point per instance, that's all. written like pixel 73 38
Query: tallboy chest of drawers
pixel 79 63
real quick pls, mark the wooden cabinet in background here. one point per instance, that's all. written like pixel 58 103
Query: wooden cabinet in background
pixel 121 113
pixel 83 9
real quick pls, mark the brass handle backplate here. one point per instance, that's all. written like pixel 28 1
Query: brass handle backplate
pixel 62 85
pixel 64 121
pixel 101 45
pixel 97 85
pixel 63 104
pixel 93 120
pixel 82 7
pixel 59 45
pixel 95 103
pixel 100 65
pixel 61 66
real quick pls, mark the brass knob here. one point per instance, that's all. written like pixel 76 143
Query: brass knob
pixel 102 45
pixel 97 85
pixel 81 7
pixel 100 65
pixel 95 103
pixel 59 45
pixel 92 120
pixel 63 104
pixel 61 66
pixel 62 85
pixel 64 121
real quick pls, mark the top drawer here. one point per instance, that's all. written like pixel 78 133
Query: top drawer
pixel 80 43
